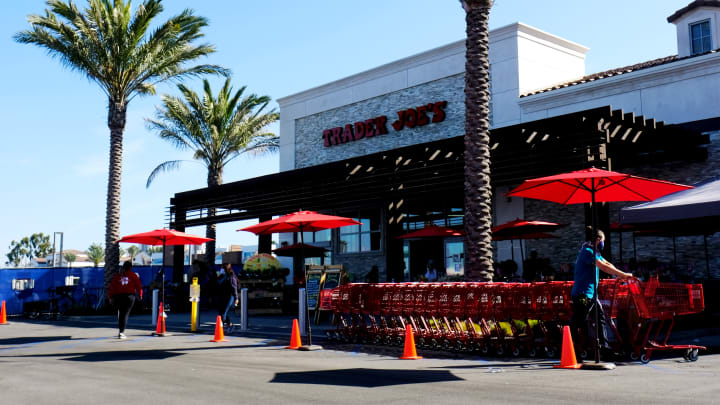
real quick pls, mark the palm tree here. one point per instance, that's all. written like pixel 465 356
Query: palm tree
pixel 113 48
pixel 217 129
pixel 478 192
pixel 96 254
pixel 70 258
pixel 133 251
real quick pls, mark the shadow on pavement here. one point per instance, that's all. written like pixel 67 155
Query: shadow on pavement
pixel 32 339
pixel 363 377
pixel 122 355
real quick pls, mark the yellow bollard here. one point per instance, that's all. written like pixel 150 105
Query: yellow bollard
pixel 195 299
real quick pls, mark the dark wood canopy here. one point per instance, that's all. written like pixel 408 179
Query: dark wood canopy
pixel 423 173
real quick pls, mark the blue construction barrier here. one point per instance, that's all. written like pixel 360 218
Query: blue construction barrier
pixel 46 279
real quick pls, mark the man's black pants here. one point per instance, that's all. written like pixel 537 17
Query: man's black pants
pixel 582 323
pixel 124 303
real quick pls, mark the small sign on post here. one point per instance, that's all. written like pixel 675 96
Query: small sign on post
pixel 195 300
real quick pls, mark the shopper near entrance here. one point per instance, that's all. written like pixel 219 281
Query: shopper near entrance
pixel 373 276
pixel 431 273
pixel 583 291
pixel 228 294
pixel 123 288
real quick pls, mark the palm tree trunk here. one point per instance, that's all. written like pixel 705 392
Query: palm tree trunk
pixel 478 192
pixel 214 180
pixel 117 112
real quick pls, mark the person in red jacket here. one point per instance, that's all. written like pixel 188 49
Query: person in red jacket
pixel 123 287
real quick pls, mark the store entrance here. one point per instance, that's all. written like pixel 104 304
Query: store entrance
pixel 423 250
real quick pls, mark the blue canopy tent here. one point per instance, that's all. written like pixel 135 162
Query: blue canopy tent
pixel 689 212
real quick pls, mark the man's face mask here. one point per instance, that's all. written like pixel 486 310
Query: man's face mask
pixel 220 273
pixel 600 245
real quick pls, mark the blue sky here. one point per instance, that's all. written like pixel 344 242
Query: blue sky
pixel 54 140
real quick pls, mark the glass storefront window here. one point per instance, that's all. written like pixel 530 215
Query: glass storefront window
pixel 454 257
pixel 361 238
pixel 349 243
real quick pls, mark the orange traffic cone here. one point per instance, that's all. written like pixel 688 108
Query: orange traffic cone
pixel 295 336
pixel 3 315
pixel 568 351
pixel 219 334
pixel 409 353
pixel 160 330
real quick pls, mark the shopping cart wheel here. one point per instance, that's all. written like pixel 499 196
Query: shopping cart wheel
pixel 484 349
pixel 499 350
pixel 388 340
pixel 583 354
pixel 634 356
pixel 691 355
pixel 445 344
pixel 532 352
pixel 459 346
pixel 644 358
pixel 399 340
pixel 550 351
pixel 516 352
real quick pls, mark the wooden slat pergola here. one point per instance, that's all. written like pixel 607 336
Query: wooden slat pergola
pixel 432 174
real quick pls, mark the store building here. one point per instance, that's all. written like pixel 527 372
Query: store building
pixel 386 145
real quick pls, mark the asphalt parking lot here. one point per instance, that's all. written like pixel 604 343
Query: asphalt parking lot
pixel 66 362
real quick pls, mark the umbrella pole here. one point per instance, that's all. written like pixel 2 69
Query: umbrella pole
pixel 621 232
pixel 307 307
pixel 634 248
pixel 596 301
pixel 597 275
pixel 162 270
pixel 707 259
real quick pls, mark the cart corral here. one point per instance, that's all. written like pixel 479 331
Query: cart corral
pixel 510 318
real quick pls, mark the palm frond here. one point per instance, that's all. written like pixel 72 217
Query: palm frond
pixel 163 167
pixel 218 128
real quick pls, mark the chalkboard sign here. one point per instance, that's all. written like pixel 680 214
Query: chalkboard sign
pixel 332 279
pixel 312 287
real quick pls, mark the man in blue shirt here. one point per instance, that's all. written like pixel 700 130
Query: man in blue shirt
pixel 583 291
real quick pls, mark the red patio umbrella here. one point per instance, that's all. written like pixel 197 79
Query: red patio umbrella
pixel 591 186
pixel 536 235
pixel 164 237
pixel 432 231
pixel 301 221
pixel 519 229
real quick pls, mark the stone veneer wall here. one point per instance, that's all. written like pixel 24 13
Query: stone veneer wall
pixel 690 249
pixel 309 146
pixel 357 265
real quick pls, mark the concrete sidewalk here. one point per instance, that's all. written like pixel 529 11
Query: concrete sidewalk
pixel 280 326
pixel 268 326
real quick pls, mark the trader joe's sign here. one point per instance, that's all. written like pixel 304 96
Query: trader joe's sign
pixel 410 118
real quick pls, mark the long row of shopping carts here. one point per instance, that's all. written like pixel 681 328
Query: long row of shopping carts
pixel 512 318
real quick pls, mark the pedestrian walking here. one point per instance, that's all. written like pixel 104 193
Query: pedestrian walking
pixel 123 287
pixel 228 294
pixel 584 291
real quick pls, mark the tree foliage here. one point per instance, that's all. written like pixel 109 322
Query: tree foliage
pixel 217 129
pixel 116 49
pixel 133 251
pixel 96 253
pixel 28 248
pixel 69 258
